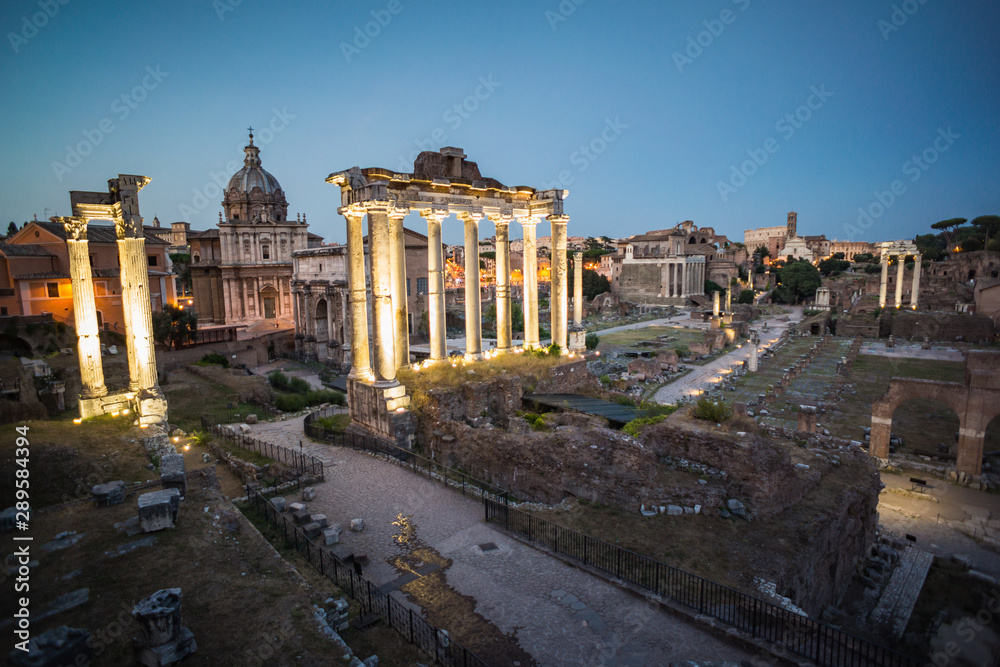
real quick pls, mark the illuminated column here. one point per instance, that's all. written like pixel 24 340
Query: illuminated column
pixel 397 271
pixel 754 344
pixel 360 363
pixel 729 298
pixel 715 304
pixel 379 262
pixel 578 287
pixel 899 279
pixel 435 287
pixel 503 283
pixel 135 302
pixel 560 292
pixel 84 308
pixel 917 266
pixel 530 282
pixel 473 314
pixel 884 283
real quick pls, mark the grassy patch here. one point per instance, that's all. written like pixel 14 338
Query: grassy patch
pixel 336 423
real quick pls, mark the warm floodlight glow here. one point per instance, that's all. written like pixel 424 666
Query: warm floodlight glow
pixel 177 439
pixel 125 411
pixel 77 420
pixel 143 425
pixel 400 410
pixel 187 448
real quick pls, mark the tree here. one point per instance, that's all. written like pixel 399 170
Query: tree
pixel 828 266
pixel 931 246
pixel 800 279
pixel 593 282
pixel 746 296
pixel 762 251
pixel 712 286
pixel 948 227
pixel 989 225
pixel 838 255
pixel 174 326
pixel 593 244
pixel 862 257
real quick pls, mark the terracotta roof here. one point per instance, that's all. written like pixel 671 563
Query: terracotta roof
pixel 23 249
pixel 206 234
pixel 98 233
pixel 47 275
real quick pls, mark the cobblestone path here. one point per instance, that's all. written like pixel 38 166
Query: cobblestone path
pixel 558 614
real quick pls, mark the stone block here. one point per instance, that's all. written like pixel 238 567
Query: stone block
pixel 301 517
pixel 243 428
pixel 172 473
pixel 311 529
pixel 337 527
pixel 357 525
pixel 278 503
pixel 674 510
pixel 296 507
pixel 331 536
pixel 321 520
pixel 109 493
pixel 163 640
pixel 158 509
pixel 206 457
pixel 57 646
pixel 251 419
pixel 308 493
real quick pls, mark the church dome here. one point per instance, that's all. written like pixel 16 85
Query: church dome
pixel 252 175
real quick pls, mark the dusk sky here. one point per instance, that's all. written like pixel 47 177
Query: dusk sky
pixel 726 112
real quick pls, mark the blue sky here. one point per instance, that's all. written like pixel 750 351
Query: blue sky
pixel 726 112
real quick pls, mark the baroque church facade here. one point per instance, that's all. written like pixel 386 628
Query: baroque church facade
pixel 241 272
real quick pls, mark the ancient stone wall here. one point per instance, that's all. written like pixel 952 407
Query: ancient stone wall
pixel 941 326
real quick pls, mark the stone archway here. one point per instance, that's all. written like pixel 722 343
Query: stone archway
pixel 269 302
pixel 321 327
pixel 976 402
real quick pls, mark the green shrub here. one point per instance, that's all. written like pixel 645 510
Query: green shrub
pixel 633 427
pixel 214 359
pixel 291 402
pixel 682 351
pixel 335 423
pixel 710 410
pixel 592 341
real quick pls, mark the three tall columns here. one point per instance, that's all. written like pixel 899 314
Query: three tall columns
pixel 915 287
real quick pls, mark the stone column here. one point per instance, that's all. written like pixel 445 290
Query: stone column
pixel 309 309
pixel 884 283
pixel 715 304
pixel 917 267
pixel 379 261
pixel 435 287
pixel 473 305
pixel 578 288
pixel 530 282
pixel 397 270
pixel 560 293
pixel 899 279
pixel 754 348
pixel 684 279
pixel 84 308
pixel 135 302
pixel 729 297
pixel 360 363
pixel 503 283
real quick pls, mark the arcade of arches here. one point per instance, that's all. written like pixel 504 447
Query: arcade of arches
pixel 976 402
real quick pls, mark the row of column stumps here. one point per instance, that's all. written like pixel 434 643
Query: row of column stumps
pixel 387 272
pixel 884 281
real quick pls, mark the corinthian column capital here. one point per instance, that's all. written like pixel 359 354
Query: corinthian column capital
pixel 76 228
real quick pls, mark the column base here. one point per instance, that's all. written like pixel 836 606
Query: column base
pixel 106 405
pixel 474 356
pixel 577 340
pixel 152 407
pixel 382 411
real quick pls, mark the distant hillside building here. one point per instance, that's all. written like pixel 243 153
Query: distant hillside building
pixel 784 240
pixel 670 266
pixel 242 271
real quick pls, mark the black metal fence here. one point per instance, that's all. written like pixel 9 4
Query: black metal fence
pixel 456 479
pixel 299 460
pixel 799 634
pixel 431 640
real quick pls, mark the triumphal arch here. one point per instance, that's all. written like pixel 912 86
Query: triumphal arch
pixel 119 204
pixel 442 184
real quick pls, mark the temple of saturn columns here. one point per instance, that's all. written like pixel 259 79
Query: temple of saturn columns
pixel 121 205
pixel 442 184
pixel 899 249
